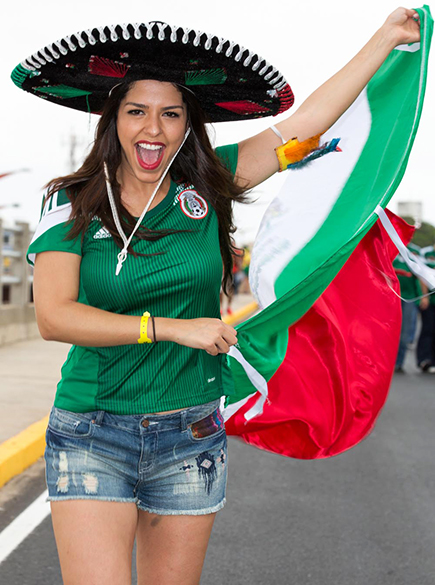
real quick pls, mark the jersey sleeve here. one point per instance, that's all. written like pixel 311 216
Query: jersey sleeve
pixel 229 155
pixel 52 231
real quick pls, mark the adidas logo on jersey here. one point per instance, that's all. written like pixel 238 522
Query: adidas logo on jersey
pixel 102 233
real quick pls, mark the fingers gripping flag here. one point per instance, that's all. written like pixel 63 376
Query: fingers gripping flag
pixel 313 367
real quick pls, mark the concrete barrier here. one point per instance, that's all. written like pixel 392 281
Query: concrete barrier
pixel 17 323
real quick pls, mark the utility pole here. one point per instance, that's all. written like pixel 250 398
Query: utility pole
pixel 72 152
pixel 73 142
pixel 8 205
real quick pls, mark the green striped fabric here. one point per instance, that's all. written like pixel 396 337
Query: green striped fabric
pixel 179 278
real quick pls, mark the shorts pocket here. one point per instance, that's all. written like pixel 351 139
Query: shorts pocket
pixel 70 424
pixel 211 426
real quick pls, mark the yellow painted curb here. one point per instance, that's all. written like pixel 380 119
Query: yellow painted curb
pixel 239 315
pixel 22 451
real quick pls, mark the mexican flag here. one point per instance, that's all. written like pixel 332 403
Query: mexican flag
pixel 312 369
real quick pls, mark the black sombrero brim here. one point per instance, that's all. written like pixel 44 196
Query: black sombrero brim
pixel 230 82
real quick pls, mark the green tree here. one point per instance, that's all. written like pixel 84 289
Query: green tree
pixel 424 235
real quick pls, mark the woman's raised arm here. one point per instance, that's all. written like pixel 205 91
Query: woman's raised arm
pixel 257 159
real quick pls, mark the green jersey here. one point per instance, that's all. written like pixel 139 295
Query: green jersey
pixel 429 258
pixel 179 278
pixel 409 284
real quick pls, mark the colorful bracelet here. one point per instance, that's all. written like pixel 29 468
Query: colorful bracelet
pixel 294 154
pixel 294 151
pixel 143 329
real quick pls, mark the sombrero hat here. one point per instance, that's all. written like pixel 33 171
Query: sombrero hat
pixel 230 82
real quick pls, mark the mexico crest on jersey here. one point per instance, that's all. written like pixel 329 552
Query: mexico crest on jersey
pixel 192 204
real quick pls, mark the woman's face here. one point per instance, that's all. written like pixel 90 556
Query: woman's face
pixel 151 124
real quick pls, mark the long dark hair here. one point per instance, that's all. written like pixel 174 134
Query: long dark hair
pixel 196 163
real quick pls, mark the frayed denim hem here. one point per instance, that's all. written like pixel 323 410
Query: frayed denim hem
pixel 162 512
pixel 92 497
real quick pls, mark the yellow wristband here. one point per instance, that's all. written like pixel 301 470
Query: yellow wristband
pixel 143 329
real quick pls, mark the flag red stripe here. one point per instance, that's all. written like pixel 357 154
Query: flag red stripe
pixel 334 380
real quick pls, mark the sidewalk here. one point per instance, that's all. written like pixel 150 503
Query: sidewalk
pixel 29 373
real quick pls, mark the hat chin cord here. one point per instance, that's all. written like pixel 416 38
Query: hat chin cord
pixel 124 252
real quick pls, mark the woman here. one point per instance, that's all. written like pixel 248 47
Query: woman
pixel 115 472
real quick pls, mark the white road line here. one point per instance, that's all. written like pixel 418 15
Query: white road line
pixel 20 528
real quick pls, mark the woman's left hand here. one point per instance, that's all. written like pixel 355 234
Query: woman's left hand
pixel 403 25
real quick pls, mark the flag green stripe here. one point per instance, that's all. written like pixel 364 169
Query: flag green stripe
pixel 395 117
pixel 391 138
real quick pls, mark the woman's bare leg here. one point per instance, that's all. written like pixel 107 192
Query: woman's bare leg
pixel 171 549
pixel 94 541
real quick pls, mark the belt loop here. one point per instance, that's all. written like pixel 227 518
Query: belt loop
pixel 99 418
pixel 184 420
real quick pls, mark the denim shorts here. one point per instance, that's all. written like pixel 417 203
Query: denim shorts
pixel 164 463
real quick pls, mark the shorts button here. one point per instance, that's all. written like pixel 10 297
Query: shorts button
pixel 145 423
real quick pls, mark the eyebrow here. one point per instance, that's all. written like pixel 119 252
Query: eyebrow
pixel 145 107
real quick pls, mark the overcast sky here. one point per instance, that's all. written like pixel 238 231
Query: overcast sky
pixel 307 41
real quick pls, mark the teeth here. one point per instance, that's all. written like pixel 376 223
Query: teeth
pixel 149 146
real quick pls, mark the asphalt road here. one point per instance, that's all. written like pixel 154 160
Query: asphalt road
pixel 366 517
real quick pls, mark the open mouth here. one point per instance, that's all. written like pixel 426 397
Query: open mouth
pixel 149 154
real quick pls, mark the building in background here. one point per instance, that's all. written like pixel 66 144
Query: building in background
pixel 15 277
pixel 17 314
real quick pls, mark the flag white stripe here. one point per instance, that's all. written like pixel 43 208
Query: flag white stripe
pixel 414 263
pixel 306 200
pixel 408 48
pixel 256 379
pixel 227 412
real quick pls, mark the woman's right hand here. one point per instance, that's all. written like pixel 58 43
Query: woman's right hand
pixel 212 335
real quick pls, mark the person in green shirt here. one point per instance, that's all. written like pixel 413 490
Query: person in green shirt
pixel 426 339
pixel 410 291
pixel 128 263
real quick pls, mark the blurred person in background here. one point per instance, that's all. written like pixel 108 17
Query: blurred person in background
pixel 426 340
pixel 410 290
